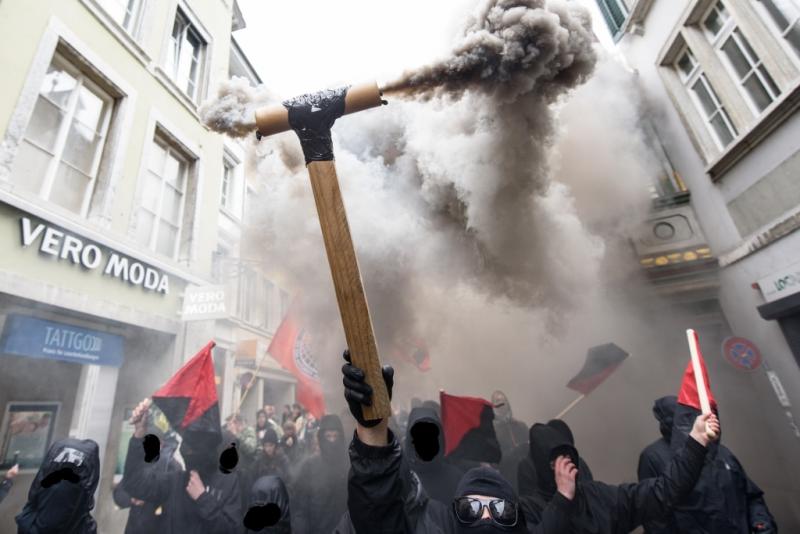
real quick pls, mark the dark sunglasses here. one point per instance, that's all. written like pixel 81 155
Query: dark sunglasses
pixel 470 509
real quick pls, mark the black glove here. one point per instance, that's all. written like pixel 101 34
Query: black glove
pixel 358 392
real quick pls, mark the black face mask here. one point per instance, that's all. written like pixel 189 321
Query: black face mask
pixel 334 450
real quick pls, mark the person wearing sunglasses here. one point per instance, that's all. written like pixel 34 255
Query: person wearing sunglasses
pixel 386 497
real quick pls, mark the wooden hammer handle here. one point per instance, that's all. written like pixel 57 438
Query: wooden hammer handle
pixel 347 282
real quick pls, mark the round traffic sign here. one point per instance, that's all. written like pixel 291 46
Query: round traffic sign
pixel 741 353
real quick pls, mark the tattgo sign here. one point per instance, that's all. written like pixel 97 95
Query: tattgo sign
pixel 62 246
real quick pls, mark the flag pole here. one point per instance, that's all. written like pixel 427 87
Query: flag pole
pixel 570 406
pixel 243 396
pixel 699 377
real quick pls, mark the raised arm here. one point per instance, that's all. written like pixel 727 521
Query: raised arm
pixel 141 479
pixel 653 498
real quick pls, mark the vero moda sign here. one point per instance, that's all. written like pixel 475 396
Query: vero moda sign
pixel 63 246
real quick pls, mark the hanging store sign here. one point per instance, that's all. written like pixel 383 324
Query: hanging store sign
pixel 781 284
pixel 38 338
pixel 66 247
pixel 204 302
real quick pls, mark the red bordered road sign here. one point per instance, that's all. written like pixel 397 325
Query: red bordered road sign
pixel 741 353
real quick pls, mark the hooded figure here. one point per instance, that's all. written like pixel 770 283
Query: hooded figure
pixel 487 482
pixel 600 508
pixel 584 473
pixel 270 461
pixel 320 496
pixel 510 432
pixel 724 500
pixel 655 457
pixel 268 510
pixel 61 497
pixel 217 506
pixel 424 448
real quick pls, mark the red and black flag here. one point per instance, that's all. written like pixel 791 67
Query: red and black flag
pixel 189 398
pixel 601 362
pixel 413 351
pixel 468 424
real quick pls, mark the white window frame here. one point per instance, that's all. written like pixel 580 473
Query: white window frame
pixel 731 30
pixel 232 199
pixel 134 26
pixel 161 139
pixel 63 133
pixel 780 33
pixel 689 81
pixel 172 49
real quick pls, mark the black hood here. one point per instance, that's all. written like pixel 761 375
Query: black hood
pixel 526 476
pixel 424 435
pixel 62 493
pixel 201 450
pixel 664 412
pixel 546 444
pixel 334 451
pixel 268 497
pixel 564 428
pixel 490 483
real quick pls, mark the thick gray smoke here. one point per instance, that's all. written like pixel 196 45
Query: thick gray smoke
pixel 233 110
pixel 510 48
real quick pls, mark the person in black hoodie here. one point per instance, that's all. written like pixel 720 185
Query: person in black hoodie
pixel 605 509
pixel 584 473
pixel 320 485
pixel 146 517
pixel 654 459
pixel 202 499
pixel 61 496
pixel 424 448
pixel 724 500
pixel 268 509
pixel 386 497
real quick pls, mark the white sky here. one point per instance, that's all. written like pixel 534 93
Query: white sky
pixel 299 46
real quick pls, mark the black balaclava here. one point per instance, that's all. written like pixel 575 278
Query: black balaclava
pixel 268 509
pixel 546 444
pixel 564 428
pixel 336 450
pixel 424 436
pixel 489 483
pixel 664 412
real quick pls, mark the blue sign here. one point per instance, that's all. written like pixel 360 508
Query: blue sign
pixel 37 338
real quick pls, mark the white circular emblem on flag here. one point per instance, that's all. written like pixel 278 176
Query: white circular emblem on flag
pixel 303 357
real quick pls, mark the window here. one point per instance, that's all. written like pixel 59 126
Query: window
pixel 255 292
pixel 160 212
pixel 614 12
pixel 754 81
pixel 705 99
pixel 225 198
pixel 232 184
pixel 125 12
pixel 185 56
pixel 59 154
pixel 785 15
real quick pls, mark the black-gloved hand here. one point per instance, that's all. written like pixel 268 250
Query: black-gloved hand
pixel 358 392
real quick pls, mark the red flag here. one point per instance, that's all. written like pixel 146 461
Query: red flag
pixel 468 424
pixel 291 347
pixel 189 398
pixel 688 393
pixel 413 351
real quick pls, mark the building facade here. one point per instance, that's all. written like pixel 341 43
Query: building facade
pixel 722 80
pixel 116 203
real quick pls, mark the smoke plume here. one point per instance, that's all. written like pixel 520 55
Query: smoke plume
pixel 510 48
pixel 233 110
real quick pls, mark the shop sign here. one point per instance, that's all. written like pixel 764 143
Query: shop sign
pixel 38 338
pixel 741 353
pixel 781 284
pixel 204 302
pixel 63 246
pixel 783 398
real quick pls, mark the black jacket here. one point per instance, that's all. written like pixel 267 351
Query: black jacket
pixel 724 500
pixel 5 487
pixel 319 496
pixel 438 476
pixel 601 508
pixel 654 459
pixel 217 511
pixel 271 490
pixel 385 497
pixel 150 516
pixel 63 507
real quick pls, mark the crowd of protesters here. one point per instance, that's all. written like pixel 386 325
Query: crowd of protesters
pixel 289 472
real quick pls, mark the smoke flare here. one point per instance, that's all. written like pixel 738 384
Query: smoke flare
pixel 510 48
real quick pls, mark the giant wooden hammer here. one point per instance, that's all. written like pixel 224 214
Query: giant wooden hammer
pixel 311 117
